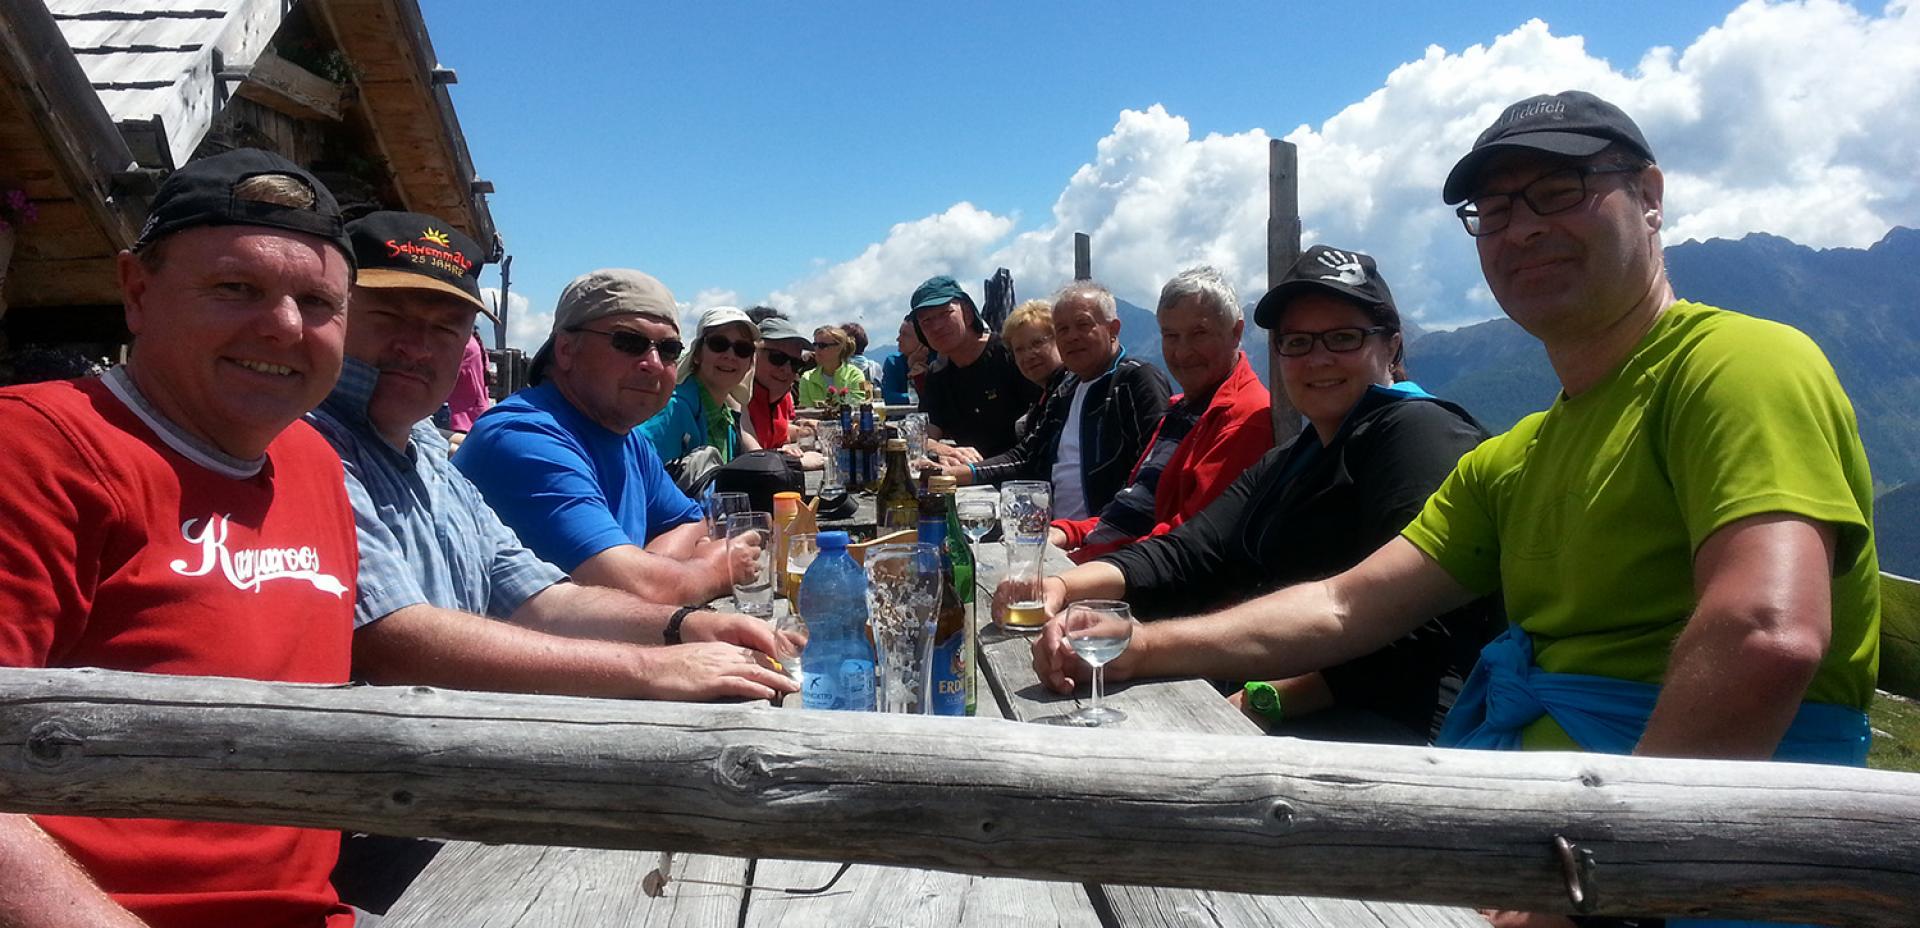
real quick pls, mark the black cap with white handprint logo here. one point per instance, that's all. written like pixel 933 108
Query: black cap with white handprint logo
pixel 1346 274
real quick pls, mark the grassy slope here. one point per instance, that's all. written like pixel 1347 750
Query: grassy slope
pixel 1898 718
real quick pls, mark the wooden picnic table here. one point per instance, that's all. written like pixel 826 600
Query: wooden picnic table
pixel 470 884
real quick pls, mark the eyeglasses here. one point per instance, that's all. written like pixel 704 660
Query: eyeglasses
pixel 1552 192
pixel 637 345
pixel 783 359
pixel 719 343
pixel 1297 344
pixel 826 346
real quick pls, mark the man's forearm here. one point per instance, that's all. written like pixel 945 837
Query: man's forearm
pixel 1306 627
pixel 426 645
pixel 1732 689
pixel 650 576
pixel 679 541
pixel 41 887
pixel 1094 580
pixel 1743 662
pixel 1281 634
pixel 575 611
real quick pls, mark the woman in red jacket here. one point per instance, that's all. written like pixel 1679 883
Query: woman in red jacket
pixel 1216 429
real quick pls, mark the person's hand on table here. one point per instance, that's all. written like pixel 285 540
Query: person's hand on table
pixel 951 454
pixel 730 628
pixel 809 460
pixel 709 670
pixel 1053 594
pixel 715 569
pixel 1238 700
pixel 1060 669
pixel 1057 538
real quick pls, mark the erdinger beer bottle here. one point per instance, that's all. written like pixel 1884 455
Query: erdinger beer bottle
pixel 953 649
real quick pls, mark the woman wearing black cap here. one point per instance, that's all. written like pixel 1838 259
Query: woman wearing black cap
pixel 1377 445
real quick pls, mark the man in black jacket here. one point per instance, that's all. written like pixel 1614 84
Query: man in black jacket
pixel 1097 421
pixel 974 392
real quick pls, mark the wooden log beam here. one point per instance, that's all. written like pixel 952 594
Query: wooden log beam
pixel 1250 814
pixel 291 89
pixel 1283 248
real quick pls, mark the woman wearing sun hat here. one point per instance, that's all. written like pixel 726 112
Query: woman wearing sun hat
pixel 715 382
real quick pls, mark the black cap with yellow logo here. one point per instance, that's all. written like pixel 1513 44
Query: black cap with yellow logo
pixel 414 251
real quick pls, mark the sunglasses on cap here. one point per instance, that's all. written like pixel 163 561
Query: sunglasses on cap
pixel 637 345
pixel 717 343
pixel 783 359
pixel 1297 344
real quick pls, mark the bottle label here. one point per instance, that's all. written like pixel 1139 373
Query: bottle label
pixel 850 688
pixel 950 675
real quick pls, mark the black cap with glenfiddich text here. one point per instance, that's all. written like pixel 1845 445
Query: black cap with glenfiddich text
pixel 215 191
pixel 1573 123
pixel 415 251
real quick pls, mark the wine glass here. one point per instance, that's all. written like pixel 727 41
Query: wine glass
pixel 1098 630
pixel 978 512
pixel 903 597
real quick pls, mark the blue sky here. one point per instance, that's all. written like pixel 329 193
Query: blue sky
pixel 739 150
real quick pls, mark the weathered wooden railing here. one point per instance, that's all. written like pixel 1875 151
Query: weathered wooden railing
pixel 1244 814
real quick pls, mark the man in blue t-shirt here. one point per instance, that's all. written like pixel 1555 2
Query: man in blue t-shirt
pixel 561 461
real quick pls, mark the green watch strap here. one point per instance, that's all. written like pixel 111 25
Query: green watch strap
pixel 1264 699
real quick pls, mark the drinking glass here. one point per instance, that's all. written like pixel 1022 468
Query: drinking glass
pixel 790 640
pixel 826 438
pixel 903 595
pixel 721 505
pixel 750 561
pixel 1026 507
pixel 802 548
pixel 1098 630
pixel 1026 609
pixel 913 428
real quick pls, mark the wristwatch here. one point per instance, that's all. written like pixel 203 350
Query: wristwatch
pixel 672 632
pixel 1265 700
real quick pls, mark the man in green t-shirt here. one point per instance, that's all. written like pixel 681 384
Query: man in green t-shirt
pixel 1682 539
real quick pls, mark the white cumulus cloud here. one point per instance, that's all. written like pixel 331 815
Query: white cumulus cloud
pixel 1795 118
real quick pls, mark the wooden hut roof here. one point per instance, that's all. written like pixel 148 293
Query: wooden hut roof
pixel 99 98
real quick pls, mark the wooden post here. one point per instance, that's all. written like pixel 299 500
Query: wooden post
pixel 1714 839
pixel 1082 256
pixel 1283 248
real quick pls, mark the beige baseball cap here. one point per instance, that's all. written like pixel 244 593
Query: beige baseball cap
pixel 603 293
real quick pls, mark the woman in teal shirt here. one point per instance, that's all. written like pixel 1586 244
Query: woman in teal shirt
pixel 715 382
pixel 832 346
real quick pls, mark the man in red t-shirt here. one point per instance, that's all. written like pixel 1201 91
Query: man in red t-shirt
pixel 175 516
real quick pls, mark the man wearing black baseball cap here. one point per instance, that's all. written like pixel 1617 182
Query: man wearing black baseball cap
pixel 175 516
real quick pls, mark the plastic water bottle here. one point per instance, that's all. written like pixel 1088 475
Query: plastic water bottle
pixel 837 665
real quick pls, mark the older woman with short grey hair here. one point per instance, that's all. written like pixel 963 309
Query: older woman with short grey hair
pixel 1218 427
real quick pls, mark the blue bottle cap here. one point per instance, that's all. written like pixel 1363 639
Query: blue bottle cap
pixel 831 541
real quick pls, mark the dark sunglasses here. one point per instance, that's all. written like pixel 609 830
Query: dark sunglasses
pixel 637 345
pixel 719 343
pixel 783 359
pixel 1296 344
pixel 826 346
